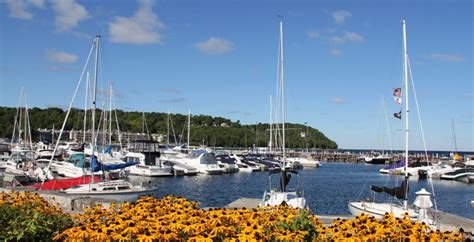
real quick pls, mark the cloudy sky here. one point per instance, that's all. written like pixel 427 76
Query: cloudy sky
pixel 216 58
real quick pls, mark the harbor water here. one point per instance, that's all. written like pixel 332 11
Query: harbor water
pixel 327 189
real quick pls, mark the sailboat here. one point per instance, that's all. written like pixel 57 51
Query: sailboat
pixel 21 163
pixel 282 194
pixel 377 158
pixel 119 190
pixel 401 209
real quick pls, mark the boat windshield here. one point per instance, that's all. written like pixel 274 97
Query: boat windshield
pixel 208 159
pixel 196 153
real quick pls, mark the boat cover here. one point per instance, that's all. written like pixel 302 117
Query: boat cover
pixel 61 184
pixel 399 192
pixel 98 166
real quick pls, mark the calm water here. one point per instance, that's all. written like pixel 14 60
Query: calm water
pixel 327 189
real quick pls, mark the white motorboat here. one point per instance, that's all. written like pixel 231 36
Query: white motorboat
pixel 146 154
pixel 307 161
pixel 245 164
pixel 201 160
pixel 226 162
pixel 76 165
pixel 147 168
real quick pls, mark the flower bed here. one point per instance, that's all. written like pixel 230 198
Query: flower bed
pixel 175 218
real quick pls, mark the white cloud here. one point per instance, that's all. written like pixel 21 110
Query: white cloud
pixel 169 90
pixel 338 100
pixel 19 8
pixel 446 57
pixel 340 16
pixel 142 28
pixel 68 14
pixel 60 57
pixel 312 34
pixel 335 52
pixel 215 46
pixel 37 3
pixel 348 37
pixel 173 100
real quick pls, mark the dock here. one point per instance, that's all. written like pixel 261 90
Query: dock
pixel 447 222
pixel 69 204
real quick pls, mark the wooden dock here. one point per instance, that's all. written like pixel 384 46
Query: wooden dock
pixel 447 222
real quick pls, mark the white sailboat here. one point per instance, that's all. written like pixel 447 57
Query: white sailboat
pixel 119 190
pixel 381 158
pixel 282 194
pixel 422 202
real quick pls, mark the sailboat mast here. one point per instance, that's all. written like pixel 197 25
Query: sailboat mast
pixel 407 130
pixel 110 114
pixel 282 90
pixel 94 99
pixel 454 137
pixel 270 144
pixel 189 127
pixel 168 129
pixel 85 108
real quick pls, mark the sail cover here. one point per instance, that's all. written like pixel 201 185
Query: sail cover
pixel 399 192
pixel 98 166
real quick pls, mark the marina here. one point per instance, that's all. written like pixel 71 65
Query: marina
pixel 244 121
pixel 237 190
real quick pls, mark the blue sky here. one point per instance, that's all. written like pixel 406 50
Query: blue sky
pixel 219 58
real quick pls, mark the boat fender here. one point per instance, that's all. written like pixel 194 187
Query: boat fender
pixel 19 165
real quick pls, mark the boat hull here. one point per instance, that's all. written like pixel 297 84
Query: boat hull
pixel 378 210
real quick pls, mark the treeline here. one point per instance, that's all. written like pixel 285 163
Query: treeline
pixel 207 130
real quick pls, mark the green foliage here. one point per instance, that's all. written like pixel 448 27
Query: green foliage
pixel 301 222
pixel 24 223
pixel 206 130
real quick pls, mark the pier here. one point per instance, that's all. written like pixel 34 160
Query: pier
pixel 447 222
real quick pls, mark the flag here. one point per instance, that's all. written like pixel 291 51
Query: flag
pixel 397 92
pixel 398 100
pixel 397 95
pixel 398 115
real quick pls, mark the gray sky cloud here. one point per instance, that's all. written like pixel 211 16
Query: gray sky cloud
pixel 335 52
pixel 347 36
pixel 215 46
pixel 142 28
pixel 60 56
pixel 312 34
pixel 173 100
pixel 20 8
pixel 68 14
pixel 340 16
pixel 338 100
pixel 169 90
pixel 445 57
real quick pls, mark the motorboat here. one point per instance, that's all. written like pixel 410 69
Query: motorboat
pixel 246 164
pixel 76 165
pixel 380 159
pixel 307 161
pixel 146 153
pixel 201 160
pixel 226 162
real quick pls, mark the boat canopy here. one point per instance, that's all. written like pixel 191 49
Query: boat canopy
pixel 399 192
pixel 98 166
